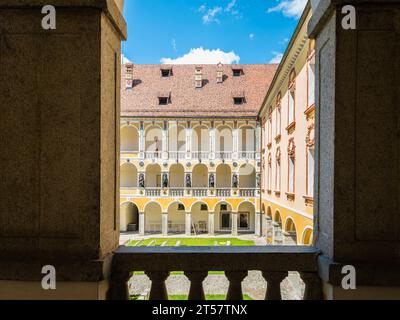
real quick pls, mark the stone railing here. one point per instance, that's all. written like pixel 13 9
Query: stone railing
pixel 196 262
pixel 224 155
pixel 153 192
pixel 195 155
pixel 251 155
pixel 177 155
pixel 202 155
pixel 222 193
pixel 153 155
pixel 199 192
pixel 247 193
pixel 176 192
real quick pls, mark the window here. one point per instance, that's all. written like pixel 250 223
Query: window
pixel 310 172
pixel 278 115
pixel 278 171
pixel 162 101
pixel 165 73
pixel 181 207
pixel 238 100
pixel 269 126
pixel 269 177
pixel 224 207
pixel 311 82
pixel 291 174
pixel 203 207
pixel 237 72
pixel 292 98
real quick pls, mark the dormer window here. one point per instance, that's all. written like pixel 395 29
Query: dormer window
pixel 237 72
pixel 238 100
pixel 163 101
pixel 166 73
pixel 198 77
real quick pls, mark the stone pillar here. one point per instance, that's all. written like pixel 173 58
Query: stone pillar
pixel 189 141
pixel 257 224
pixel 142 225
pixel 165 144
pixel 60 107
pixel 188 224
pixel 211 224
pixel 258 142
pixel 212 142
pixel 234 217
pixel 357 154
pixel 142 143
pixel 164 227
pixel 235 141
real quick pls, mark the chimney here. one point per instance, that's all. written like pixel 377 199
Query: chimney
pixel 198 76
pixel 129 76
pixel 220 73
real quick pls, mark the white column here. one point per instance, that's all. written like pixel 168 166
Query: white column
pixel 211 223
pixel 234 217
pixel 165 224
pixel 188 224
pixel 141 140
pixel 188 141
pixel 235 136
pixel 258 142
pixel 212 142
pixel 141 224
pixel 165 141
pixel 257 224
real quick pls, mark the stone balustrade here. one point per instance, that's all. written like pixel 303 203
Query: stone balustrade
pixel 197 155
pixel 196 262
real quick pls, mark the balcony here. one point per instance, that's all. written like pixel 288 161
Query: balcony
pixel 196 262
pixel 196 155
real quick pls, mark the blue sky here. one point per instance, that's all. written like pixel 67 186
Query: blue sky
pixel 209 31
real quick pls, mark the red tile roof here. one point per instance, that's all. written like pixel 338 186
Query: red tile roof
pixel 213 100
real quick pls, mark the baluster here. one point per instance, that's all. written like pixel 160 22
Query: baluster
pixel 119 286
pixel 313 290
pixel 196 279
pixel 235 285
pixel 158 289
pixel 274 280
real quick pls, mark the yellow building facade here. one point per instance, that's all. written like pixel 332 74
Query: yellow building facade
pixel 287 117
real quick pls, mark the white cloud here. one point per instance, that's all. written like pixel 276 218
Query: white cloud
pixel 204 56
pixel 251 36
pixel 290 8
pixel 202 8
pixel 211 15
pixel 277 57
pixel 124 59
pixel 231 7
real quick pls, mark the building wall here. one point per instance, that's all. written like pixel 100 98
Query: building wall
pixel 293 140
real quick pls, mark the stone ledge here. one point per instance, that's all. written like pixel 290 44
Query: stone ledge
pixel 108 6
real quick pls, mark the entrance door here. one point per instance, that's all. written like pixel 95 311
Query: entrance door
pixel 244 220
pixel 225 220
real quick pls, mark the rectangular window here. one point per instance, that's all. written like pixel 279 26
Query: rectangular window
pixel 244 220
pixel 224 207
pixel 165 73
pixel 225 220
pixel 291 106
pixel 238 101
pixel 270 130
pixel 311 82
pixel 269 177
pixel 278 121
pixel 291 175
pixel 203 207
pixel 278 176
pixel 310 172
pixel 163 101
pixel 237 72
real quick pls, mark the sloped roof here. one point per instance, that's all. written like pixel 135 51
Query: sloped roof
pixel 212 100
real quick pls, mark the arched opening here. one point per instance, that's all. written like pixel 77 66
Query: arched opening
pixel 153 176
pixel 129 217
pixel 247 140
pixel 223 217
pixel 224 142
pixel 177 139
pixel 200 139
pixel 153 218
pixel 307 237
pixel 224 176
pixel 276 230
pixel 177 176
pixel 247 176
pixel 277 218
pixel 290 232
pixel 246 217
pixel 176 218
pixel 200 176
pixel 128 176
pixel 129 139
pixel 268 224
pixel 153 140
pixel 200 217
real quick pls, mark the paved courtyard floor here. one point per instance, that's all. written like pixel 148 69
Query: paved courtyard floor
pixel 254 285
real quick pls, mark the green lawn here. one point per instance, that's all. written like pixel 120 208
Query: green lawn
pixel 195 242
pixel 219 297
